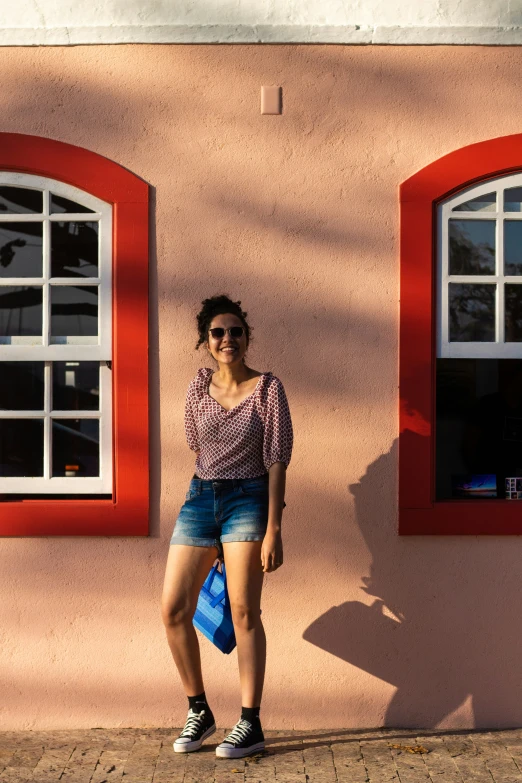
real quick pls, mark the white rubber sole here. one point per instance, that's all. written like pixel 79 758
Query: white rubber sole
pixel 228 752
pixel 189 747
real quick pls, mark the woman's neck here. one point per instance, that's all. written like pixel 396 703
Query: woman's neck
pixel 232 376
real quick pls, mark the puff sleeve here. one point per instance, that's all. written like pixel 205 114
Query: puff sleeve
pixel 278 435
pixel 191 430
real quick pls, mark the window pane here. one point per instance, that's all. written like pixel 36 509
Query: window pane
pixel 21 447
pixel 74 310
pixel 479 427
pixel 513 310
pixel 513 200
pixel 61 204
pixel 20 249
pixel 20 201
pixel 22 387
pixel 76 447
pixel 513 247
pixel 76 386
pixel 471 312
pixel 20 311
pixel 472 247
pixel 486 203
pixel 74 249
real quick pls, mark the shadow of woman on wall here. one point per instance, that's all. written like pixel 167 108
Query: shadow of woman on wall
pixel 446 622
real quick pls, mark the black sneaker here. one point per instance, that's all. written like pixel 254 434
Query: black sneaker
pixel 243 740
pixel 198 727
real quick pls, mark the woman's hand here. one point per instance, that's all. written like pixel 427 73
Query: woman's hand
pixel 272 550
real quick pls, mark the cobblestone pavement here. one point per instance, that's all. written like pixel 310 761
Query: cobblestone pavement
pixel 314 756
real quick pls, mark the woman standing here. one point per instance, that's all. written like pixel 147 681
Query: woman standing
pixel 238 422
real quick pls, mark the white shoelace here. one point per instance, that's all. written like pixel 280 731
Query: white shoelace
pixel 193 723
pixel 239 732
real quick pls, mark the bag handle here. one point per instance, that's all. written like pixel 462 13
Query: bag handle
pixel 224 593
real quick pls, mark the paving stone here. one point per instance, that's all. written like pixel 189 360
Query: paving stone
pixel 110 766
pixel 52 764
pixel 170 767
pixel 440 764
pixel 80 767
pixel 200 766
pixel 319 764
pixel 137 755
pixel 6 754
pixel 141 761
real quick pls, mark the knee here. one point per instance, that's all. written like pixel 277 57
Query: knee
pixel 244 617
pixel 176 614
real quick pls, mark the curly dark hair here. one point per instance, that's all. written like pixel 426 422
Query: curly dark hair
pixel 219 305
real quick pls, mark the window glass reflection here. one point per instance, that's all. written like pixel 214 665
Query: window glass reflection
pixel 22 387
pixel 513 247
pixel 486 203
pixel 513 200
pixel 20 201
pixel 479 428
pixel 471 312
pixel 20 311
pixel 74 249
pixel 76 447
pixel 74 310
pixel 513 311
pixel 76 386
pixel 21 447
pixel 61 204
pixel 20 249
pixel 472 247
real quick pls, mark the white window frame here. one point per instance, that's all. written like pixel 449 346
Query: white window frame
pixel 497 349
pixel 98 349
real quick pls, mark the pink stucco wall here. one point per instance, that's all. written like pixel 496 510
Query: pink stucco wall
pixel 297 216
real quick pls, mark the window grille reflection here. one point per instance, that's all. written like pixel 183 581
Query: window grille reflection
pixel 20 201
pixel 20 249
pixel 472 247
pixel 76 386
pixel 472 312
pixel 20 311
pixel 74 249
pixel 76 447
pixel 74 311
pixel 59 204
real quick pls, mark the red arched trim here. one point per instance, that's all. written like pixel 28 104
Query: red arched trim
pixel 419 195
pixel 127 513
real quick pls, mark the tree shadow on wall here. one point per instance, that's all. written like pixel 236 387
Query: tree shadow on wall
pixel 442 626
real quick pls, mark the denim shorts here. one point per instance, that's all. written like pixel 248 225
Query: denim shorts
pixel 223 510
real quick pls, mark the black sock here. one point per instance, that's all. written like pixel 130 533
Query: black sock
pixel 251 714
pixel 198 703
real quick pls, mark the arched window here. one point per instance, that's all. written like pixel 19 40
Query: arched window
pixel 460 442
pixel 55 339
pixel 73 342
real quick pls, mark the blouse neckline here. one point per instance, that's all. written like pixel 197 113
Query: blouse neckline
pixel 229 410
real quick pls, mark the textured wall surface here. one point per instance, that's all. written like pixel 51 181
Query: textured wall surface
pixel 297 216
pixel 50 22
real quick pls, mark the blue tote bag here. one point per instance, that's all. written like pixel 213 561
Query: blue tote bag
pixel 213 616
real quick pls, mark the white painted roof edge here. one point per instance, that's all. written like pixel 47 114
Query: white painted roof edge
pixel 248 34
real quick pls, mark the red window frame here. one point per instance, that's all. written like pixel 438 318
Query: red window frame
pixel 128 511
pixel 419 513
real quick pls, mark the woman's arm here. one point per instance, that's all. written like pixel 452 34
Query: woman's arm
pixel 272 548
pixel 276 494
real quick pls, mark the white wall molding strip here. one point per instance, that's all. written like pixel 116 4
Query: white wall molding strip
pixel 264 34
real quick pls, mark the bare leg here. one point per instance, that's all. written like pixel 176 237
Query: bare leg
pixel 244 584
pixel 187 569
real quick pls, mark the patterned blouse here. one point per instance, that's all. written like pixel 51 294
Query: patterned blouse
pixel 241 442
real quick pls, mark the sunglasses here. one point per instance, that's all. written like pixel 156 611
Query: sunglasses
pixel 234 331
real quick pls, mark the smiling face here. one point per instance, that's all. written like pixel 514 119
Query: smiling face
pixel 227 349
